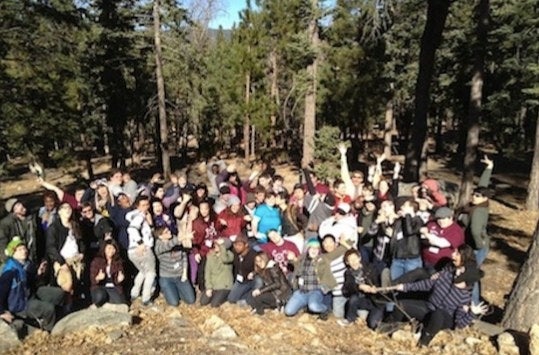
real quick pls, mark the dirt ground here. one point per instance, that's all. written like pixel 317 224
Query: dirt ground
pixel 511 229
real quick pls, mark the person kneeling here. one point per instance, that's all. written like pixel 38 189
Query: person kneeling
pixel 107 275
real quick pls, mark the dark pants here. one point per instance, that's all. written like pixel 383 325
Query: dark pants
pixel 263 301
pixel 433 321
pixel 102 295
pixel 241 291
pixel 217 298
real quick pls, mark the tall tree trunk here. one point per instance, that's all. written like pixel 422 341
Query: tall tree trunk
pixel 474 111
pixel 521 311
pixel 274 96
pixel 163 128
pixel 388 128
pixel 246 119
pixel 309 126
pixel 430 41
pixel 532 201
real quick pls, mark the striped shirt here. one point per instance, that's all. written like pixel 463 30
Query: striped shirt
pixel 445 295
pixel 338 268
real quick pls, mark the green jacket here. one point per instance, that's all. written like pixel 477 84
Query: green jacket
pixel 218 270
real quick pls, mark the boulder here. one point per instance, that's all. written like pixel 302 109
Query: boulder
pixel 121 308
pixel 534 339
pixel 218 328
pixel 91 317
pixel 506 344
pixel 9 337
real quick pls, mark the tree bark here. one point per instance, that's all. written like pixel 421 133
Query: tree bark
pixel 430 41
pixel 309 126
pixel 274 96
pixel 246 118
pixel 521 311
pixel 532 201
pixel 474 111
pixel 163 127
pixel 388 128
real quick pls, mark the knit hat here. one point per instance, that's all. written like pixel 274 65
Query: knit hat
pixel 470 276
pixel 11 246
pixel 233 200
pixel 443 212
pixel 312 243
pixel 241 238
pixel 10 204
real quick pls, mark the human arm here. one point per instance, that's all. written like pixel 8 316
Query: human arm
pixel 484 180
pixel 345 171
pixel 47 185
pixel 310 185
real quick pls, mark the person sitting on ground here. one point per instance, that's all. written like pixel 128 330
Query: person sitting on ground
pixel 19 296
pixel 107 275
pixel 360 282
pixel 449 303
pixel 17 222
pixel 275 289
pixel 173 268
pixel 218 276
pixel 244 266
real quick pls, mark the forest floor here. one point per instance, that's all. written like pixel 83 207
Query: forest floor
pixel 511 229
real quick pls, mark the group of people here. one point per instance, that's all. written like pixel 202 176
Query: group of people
pixel 352 248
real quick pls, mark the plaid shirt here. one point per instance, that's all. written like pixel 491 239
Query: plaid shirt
pixel 309 277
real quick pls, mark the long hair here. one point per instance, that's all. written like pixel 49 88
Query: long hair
pixel 262 255
pixel 116 258
pixel 467 256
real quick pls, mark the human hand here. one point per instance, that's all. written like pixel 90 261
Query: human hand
pixel 256 292
pixel 42 268
pixel 489 163
pixel 198 258
pixel 342 148
pixel 7 316
pixel 121 277
pixel 291 256
pixel 251 276
pixel 100 276
pixel 209 292
pixel 479 309
pixel 223 222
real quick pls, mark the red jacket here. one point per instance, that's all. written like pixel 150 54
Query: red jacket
pixel 204 233
pixel 235 223
pixel 99 263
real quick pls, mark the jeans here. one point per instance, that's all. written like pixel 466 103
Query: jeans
pixel 400 267
pixel 241 291
pixel 313 300
pixel 174 290
pixel 102 295
pixel 338 306
pixel 480 256
pixel 145 278
pixel 357 302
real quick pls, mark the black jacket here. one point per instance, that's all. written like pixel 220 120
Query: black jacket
pixel 56 237
pixel 275 282
pixel 406 240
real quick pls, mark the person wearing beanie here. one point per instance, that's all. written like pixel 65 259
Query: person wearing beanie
pixel 232 220
pixel 17 222
pixel 18 282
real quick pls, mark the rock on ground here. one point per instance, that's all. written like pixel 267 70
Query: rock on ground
pixel 91 317
pixel 9 337
pixel 218 328
pixel 534 339
pixel 506 344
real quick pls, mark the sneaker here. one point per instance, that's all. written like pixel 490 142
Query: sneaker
pixel 344 322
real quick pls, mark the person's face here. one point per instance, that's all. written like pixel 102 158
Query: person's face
pixel 340 189
pixel 116 178
pixel 260 262
pixel 49 203
pixel 166 235
pixel 354 260
pixel 407 208
pixel 110 251
pixel 215 169
pixel 124 201
pixel 204 210
pixel 313 252
pixel 264 181
pixel 160 193
pixel 65 211
pixel 87 212
pixel 444 222
pixel 456 258
pixel 157 208
pixel 278 183
pixel 19 209
pixel 126 177
pixel 383 186
pixel 388 207
pixel 20 253
pixel 239 247
pixel 477 198
pixel 329 245
pixel 279 200
pixel 270 200
pixel 260 196
pixel 299 194
pixel 201 193
pixel 314 179
pixel 182 181
pixel 370 206
pixel 275 237
pixel 144 206
pixel 235 208
pixel 357 179
pixel 102 191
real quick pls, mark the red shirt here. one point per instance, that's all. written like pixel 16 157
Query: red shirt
pixel 280 253
pixel 453 234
